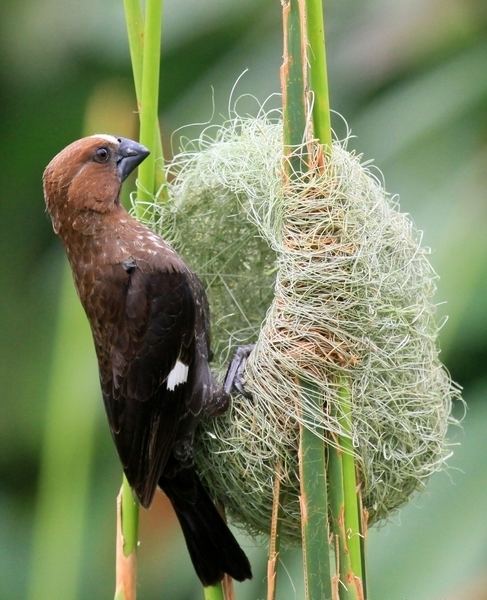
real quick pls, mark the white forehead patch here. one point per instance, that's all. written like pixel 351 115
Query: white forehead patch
pixel 104 136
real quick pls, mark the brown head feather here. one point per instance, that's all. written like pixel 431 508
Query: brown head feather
pixel 74 181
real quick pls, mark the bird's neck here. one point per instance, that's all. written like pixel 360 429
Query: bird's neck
pixel 90 235
pixel 86 224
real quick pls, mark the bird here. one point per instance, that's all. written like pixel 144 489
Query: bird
pixel 149 318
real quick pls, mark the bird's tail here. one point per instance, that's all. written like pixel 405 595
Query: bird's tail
pixel 213 549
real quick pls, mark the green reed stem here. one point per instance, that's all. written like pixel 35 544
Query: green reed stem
pixel 345 506
pixel 149 101
pixel 135 29
pixel 312 467
pixel 130 519
pixel 344 492
pixel 213 592
pixel 318 74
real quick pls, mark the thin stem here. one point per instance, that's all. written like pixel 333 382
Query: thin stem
pixel 312 467
pixel 213 592
pixel 350 494
pixel 293 84
pixel 314 511
pixel 274 537
pixel 345 494
pixel 318 72
pixel 337 510
pixel 345 504
pixel 135 30
pixel 130 519
pixel 149 100
pixel 127 540
pixel 228 587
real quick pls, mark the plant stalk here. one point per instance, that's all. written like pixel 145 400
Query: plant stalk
pixel 345 504
pixel 130 523
pixel 351 496
pixel 148 103
pixel 127 541
pixel 213 592
pixel 294 87
pixel 344 492
pixel 312 466
pixel 318 74
pixel 274 537
pixel 134 20
pixel 135 30
pixel 314 510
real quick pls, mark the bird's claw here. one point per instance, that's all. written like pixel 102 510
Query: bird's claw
pixel 234 376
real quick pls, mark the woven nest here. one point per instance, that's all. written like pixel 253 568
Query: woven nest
pixel 330 279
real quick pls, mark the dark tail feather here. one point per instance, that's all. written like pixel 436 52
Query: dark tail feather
pixel 213 549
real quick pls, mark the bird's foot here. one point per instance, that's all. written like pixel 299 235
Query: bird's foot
pixel 233 382
pixel 234 378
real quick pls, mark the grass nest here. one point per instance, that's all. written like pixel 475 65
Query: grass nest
pixel 331 281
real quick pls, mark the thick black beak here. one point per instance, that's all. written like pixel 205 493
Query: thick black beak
pixel 130 155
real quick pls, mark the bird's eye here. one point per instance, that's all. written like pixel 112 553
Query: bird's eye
pixel 102 155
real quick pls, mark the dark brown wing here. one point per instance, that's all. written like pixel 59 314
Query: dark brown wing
pixel 155 331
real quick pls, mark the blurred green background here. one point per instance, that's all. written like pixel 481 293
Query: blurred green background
pixel 411 79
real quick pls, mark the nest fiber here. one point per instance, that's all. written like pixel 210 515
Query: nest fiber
pixel 330 279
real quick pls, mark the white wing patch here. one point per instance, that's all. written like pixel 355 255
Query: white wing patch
pixel 108 138
pixel 178 375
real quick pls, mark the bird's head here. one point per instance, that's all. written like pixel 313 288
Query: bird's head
pixel 87 175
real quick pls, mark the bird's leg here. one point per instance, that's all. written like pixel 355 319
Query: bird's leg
pixel 233 382
pixel 234 378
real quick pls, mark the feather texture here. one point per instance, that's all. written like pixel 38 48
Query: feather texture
pixel 149 318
